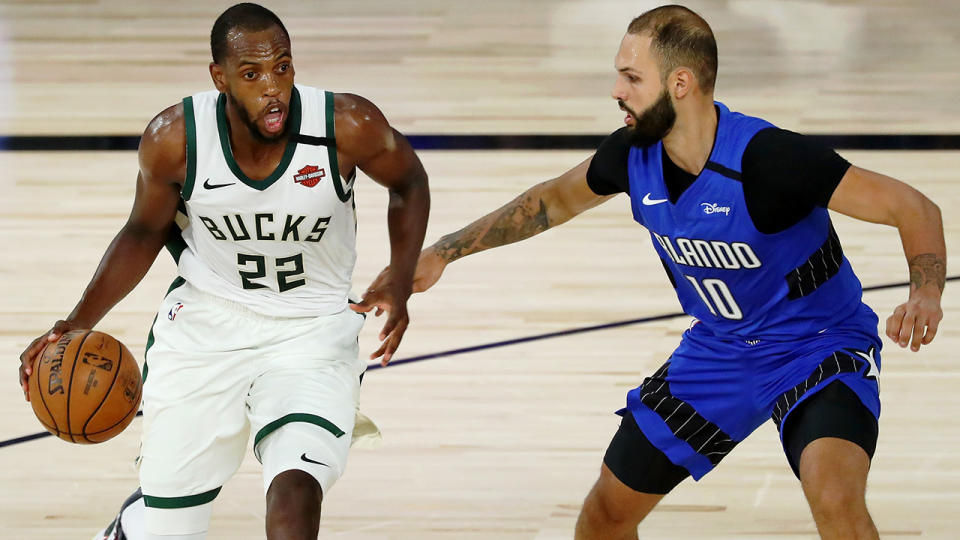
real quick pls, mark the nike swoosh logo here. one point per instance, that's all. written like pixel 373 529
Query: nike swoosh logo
pixel 308 460
pixel 208 185
pixel 650 202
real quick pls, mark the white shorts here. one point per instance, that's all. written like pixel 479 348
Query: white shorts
pixel 214 372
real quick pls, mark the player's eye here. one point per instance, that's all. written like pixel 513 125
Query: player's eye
pixel 284 68
pixel 250 75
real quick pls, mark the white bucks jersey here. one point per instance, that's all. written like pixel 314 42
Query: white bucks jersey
pixel 284 245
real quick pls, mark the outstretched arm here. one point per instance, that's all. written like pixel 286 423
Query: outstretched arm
pixel 873 197
pixel 539 208
pixel 366 140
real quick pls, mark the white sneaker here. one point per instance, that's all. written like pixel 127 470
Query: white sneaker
pixel 130 516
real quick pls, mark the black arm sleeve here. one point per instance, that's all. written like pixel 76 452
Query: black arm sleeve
pixel 785 176
pixel 608 169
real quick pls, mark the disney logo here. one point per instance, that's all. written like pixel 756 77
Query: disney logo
pixel 714 208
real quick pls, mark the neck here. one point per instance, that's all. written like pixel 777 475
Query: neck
pixel 244 143
pixel 690 141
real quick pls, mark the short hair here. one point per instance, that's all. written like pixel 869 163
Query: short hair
pixel 680 38
pixel 248 16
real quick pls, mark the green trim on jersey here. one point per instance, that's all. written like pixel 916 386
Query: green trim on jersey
pixel 297 417
pixel 150 338
pixel 109 529
pixel 181 502
pixel 175 242
pixel 223 128
pixel 332 149
pixel 190 121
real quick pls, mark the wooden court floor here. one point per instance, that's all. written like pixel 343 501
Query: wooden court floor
pixel 501 443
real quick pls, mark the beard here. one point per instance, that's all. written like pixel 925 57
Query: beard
pixel 652 124
pixel 252 126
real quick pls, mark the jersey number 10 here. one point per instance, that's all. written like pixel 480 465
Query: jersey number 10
pixel 720 299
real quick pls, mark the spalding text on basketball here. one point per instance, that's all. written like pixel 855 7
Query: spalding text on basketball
pixel 55 381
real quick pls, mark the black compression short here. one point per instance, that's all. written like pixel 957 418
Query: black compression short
pixel 835 411
pixel 639 464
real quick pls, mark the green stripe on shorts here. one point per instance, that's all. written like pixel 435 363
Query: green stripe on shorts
pixel 181 502
pixel 297 417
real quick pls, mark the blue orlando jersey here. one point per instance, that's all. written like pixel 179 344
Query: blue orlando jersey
pixel 736 280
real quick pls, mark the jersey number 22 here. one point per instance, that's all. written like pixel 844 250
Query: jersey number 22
pixel 288 268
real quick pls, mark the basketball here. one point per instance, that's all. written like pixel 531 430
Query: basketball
pixel 85 387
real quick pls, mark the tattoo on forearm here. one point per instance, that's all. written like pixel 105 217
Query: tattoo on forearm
pixel 516 223
pixel 453 246
pixel 927 268
pixel 520 219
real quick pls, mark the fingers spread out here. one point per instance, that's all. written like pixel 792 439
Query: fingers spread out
pixel 372 299
pixel 385 351
pixel 381 282
pixel 361 307
pixel 28 356
pixel 390 336
pixel 382 299
pixel 388 327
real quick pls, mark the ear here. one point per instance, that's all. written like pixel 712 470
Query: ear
pixel 219 77
pixel 682 82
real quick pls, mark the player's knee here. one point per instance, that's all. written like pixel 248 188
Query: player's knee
pixel 603 507
pixel 602 510
pixel 293 506
pixel 833 498
pixel 833 473
pixel 294 489
pixel 835 502
pixel 595 514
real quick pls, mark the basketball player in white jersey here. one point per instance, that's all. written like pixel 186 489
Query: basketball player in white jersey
pixel 250 187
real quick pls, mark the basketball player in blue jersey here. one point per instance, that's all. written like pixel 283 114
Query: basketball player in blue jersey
pixel 250 187
pixel 737 210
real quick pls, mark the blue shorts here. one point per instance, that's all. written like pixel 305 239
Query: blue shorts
pixel 715 391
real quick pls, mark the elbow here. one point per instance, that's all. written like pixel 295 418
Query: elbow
pixel 142 233
pixel 915 209
pixel 928 210
pixel 413 184
pixel 413 194
pixel 934 210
